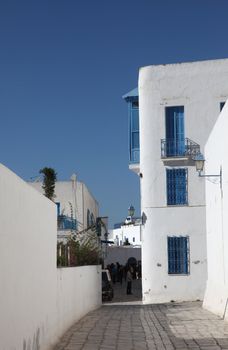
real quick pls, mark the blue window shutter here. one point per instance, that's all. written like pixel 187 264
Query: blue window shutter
pixel 134 132
pixel 176 186
pixel 175 144
pixel 134 135
pixel 178 262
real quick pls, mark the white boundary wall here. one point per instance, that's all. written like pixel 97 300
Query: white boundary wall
pixel 38 302
pixel 216 296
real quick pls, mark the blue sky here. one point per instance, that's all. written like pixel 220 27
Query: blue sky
pixel 64 66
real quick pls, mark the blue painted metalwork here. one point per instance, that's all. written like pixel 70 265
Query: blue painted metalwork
pixel 134 132
pixel 170 148
pixel 132 99
pixel 176 182
pixel 66 223
pixel 174 118
pixel 178 255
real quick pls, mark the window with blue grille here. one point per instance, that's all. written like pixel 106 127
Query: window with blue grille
pixel 178 255
pixel 177 182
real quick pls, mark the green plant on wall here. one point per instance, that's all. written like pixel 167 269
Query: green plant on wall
pixel 84 250
pixel 49 179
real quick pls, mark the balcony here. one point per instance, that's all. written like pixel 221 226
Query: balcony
pixel 66 223
pixel 174 149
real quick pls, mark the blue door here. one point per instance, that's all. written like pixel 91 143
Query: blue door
pixel 175 145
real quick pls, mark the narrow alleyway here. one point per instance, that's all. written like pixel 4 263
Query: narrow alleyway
pixel 161 327
pixel 120 292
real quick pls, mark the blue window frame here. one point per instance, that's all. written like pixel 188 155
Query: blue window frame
pixel 177 186
pixel 132 99
pixel 178 255
pixel 134 130
pixel 175 138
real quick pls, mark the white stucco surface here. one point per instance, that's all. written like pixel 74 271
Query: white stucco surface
pixel 199 87
pixel 216 296
pixel 38 302
pixel 121 254
pixel 75 194
pixel 130 232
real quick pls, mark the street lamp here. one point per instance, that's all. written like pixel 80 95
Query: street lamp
pixel 199 163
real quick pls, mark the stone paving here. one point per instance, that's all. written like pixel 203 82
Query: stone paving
pixel 120 290
pixel 156 327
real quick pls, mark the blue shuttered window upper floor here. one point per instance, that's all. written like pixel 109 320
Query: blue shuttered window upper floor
pixel 134 131
pixel 176 183
pixel 175 139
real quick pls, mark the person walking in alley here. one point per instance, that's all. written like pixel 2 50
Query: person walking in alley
pixel 129 280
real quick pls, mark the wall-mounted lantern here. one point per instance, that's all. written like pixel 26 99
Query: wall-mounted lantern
pixel 199 163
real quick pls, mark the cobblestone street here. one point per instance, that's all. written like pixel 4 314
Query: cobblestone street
pixel 165 326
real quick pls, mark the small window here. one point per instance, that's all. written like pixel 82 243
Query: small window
pixel 92 220
pixel 222 105
pixel 178 255
pixel 88 218
pixel 58 208
pixel 176 183
pixel 133 239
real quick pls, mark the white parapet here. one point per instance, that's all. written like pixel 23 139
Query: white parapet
pixel 38 302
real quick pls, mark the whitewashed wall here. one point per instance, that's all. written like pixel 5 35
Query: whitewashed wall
pixel 216 296
pixel 121 254
pixel 200 87
pixel 78 195
pixel 132 232
pixel 38 302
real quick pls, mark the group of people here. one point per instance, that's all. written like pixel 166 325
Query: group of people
pixel 127 272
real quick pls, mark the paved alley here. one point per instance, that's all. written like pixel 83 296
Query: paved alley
pixel 165 326
pixel 120 290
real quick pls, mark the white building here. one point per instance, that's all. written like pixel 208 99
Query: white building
pixel 216 155
pixel 126 232
pixel 77 209
pixel 178 106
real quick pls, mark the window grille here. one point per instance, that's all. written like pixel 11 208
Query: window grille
pixel 177 193
pixel 178 255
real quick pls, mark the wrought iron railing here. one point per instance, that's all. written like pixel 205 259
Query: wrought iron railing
pixel 179 148
pixel 66 223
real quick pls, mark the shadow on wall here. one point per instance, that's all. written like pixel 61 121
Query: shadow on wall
pixel 32 344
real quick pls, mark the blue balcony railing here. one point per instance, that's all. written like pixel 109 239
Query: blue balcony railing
pixel 179 148
pixel 66 223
